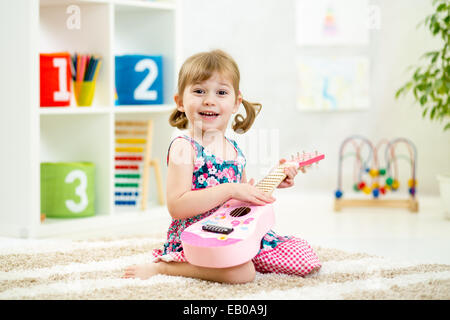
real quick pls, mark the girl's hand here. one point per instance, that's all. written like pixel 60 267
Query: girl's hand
pixel 247 192
pixel 290 172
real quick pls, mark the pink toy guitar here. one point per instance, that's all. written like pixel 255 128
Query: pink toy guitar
pixel 232 234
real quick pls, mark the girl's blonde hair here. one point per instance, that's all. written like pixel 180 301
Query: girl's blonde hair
pixel 200 67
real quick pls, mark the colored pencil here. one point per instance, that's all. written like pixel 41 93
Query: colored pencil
pixel 97 68
pixel 94 62
pixel 72 69
pixel 84 67
pixel 88 58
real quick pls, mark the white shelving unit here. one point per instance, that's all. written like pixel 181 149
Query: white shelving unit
pixel 31 134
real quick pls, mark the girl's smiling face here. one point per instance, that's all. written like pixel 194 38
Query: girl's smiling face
pixel 209 104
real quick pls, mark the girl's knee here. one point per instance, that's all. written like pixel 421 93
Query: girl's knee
pixel 243 273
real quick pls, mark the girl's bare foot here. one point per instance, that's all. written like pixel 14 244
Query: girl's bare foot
pixel 142 271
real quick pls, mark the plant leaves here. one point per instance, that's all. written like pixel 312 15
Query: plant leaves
pixel 447 127
pixel 421 87
pixel 433 111
pixel 433 60
pixel 417 76
pixel 441 7
pixel 436 28
pixel 430 83
pixel 416 95
pixel 447 84
pixel 438 84
pixel 423 100
pixel 430 53
pixel 399 91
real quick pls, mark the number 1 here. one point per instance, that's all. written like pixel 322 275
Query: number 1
pixel 62 94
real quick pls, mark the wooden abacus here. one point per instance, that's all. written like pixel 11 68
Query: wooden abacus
pixel 133 150
pixel 377 174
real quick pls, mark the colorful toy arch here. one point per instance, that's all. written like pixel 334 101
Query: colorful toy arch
pixel 373 178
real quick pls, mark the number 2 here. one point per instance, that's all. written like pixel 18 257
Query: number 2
pixel 79 191
pixel 142 92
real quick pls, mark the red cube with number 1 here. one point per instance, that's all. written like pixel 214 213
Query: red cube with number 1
pixel 55 75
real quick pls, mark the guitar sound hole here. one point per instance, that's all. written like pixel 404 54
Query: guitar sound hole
pixel 239 212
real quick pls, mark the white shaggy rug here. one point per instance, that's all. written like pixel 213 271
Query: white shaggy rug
pixel 79 270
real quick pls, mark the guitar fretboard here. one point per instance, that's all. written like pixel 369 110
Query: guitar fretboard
pixel 272 180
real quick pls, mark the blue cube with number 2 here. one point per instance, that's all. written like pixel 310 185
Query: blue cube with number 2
pixel 139 79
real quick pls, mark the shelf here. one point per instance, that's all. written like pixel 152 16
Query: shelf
pixel 124 5
pixel 74 134
pixel 73 110
pixel 128 5
pixel 144 108
pixel 123 109
pixel 149 32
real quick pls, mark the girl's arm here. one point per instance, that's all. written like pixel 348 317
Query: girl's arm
pixel 244 176
pixel 244 179
pixel 181 201
pixel 184 203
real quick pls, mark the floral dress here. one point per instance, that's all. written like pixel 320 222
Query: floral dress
pixel 278 254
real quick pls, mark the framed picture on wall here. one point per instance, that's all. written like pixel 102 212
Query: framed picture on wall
pixel 333 84
pixel 332 22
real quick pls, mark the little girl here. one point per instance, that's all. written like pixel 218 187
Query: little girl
pixel 206 169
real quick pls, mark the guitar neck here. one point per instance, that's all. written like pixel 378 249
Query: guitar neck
pixel 272 180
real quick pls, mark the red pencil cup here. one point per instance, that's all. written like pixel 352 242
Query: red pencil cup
pixel 55 78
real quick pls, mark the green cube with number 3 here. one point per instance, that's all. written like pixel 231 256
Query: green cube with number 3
pixel 68 189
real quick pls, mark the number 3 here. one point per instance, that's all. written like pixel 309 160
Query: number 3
pixel 142 92
pixel 79 191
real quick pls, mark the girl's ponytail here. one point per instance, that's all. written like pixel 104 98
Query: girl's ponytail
pixel 241 124
pixel 178 119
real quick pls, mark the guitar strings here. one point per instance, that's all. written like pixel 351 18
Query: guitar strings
pixel 238 212
pixel 268 183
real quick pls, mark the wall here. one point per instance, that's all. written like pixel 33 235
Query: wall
pixel 260 35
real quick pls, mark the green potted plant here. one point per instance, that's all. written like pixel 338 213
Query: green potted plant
pixel 430 82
